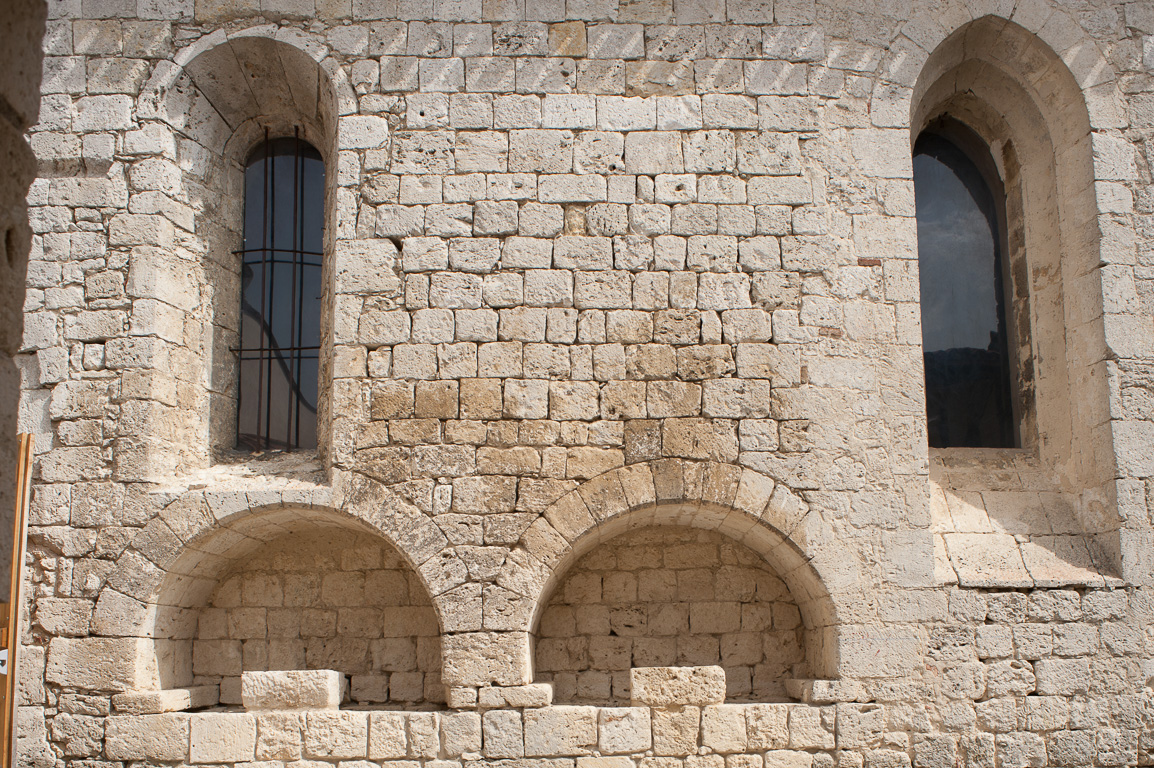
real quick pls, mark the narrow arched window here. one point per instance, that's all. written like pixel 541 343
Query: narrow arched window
pixel 961 249
pixel 280 296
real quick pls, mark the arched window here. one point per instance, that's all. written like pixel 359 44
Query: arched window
pixel 280 296
pixel 961 218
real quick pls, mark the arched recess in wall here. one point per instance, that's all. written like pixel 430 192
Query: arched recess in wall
pixel 666 595
pixel 287 587
pixel 768 521
pixel 1010 88
pixel 210 109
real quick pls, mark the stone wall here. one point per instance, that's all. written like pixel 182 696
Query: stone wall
pixel 20 57
pixel 660 597
pixel 323 600
pixel 593 270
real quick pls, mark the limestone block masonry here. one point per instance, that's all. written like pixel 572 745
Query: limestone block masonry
pixel 20 60
pixel 622 440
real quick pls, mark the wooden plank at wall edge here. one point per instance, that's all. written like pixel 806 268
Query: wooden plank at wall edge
pixel 19 538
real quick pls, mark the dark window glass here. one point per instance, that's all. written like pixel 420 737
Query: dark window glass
pixel 280 296
pixel 960 215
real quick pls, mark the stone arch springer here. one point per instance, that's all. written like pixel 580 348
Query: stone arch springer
pixel 743 504
pixel 171 566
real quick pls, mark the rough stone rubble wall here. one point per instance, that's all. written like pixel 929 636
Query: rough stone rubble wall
pixel 589 270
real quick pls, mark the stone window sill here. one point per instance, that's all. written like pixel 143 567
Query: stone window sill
pixel 1001 520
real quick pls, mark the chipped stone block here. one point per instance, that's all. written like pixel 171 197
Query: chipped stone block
pixel 99 664
pixel 168 700
pixel 149 737
pixel 292 689
pixel 560 731
pixel 624 730
pixel 723 728
pixel 341 735
pixel 677 686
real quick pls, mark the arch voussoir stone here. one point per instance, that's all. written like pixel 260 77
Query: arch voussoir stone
pixel 544 542
pixel 119 615
pixel 603 496
pixel 171 566
pixel 569 516
pixel 136 576
pixel 188 516
pixel 411 530
pixel 523 574
pixel 739 502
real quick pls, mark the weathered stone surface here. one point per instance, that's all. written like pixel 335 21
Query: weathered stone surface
pixel 675 686
pixel 99 664
pixel 615 363
pixel 222 737
pixel 560 731
pixel 299 689
pixel 150 737
pixel 171 700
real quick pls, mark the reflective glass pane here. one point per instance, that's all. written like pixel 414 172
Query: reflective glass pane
pixel 281 296
pixel 963 314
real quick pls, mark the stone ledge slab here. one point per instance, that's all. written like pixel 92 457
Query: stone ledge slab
pixel 170 700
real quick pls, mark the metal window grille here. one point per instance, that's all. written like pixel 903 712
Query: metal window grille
pixel 280 296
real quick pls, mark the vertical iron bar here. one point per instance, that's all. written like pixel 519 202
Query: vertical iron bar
pixel 301 296
pixel 269 318
pixel 263 281
pixel 295 325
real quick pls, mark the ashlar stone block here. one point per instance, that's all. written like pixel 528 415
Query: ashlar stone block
pixel 340 735
pixel 222 737
pixel 292 689
pixel 768 726
pixel 279 736
pixel 811 727
pixel 676 686
pixel 162 738
pixel 723 728
pixel 503 734
pixel 98 663
pixel 624 730
pixel 388 737
pixel 363 132
pixel 859 725
pixel 168 700
pixel 675 731
pixel 560 731
pixel 460 733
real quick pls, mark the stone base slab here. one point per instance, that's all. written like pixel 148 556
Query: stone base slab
pixel 171 700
